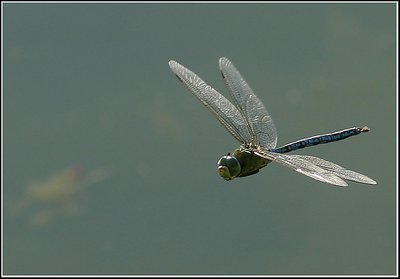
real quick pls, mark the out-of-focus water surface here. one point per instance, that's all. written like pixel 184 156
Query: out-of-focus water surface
pixel 110 163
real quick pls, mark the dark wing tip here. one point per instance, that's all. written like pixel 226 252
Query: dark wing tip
pixel 172 63
pixel 175 67
pixel 222 61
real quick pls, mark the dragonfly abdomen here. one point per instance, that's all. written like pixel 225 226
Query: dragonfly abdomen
pixel 320 139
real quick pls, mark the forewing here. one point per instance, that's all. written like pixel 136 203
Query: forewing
pixel 338 170
pixel 252 109
pixel 303 166
pixel 221 107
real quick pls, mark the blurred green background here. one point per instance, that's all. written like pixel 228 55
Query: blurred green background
pixel 89 85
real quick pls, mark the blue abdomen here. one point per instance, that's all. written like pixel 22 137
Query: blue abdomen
pixel 319 139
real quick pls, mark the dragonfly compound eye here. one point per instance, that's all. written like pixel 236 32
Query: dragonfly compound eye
pixel 228 167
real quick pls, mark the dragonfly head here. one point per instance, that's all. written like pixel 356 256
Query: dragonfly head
pixel 228 167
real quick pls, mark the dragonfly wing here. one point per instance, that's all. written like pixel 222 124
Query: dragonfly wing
pixel 252 109
pixel 338 170
pixel 303 166
pixel 221 107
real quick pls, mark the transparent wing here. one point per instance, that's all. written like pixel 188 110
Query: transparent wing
pixel 222 108
pixel 252 109
pixel 337 170
pixel 302 165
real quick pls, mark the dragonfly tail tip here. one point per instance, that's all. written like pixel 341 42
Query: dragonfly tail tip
pixel 364 129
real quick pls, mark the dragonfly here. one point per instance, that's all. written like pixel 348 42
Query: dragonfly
pixel 247 120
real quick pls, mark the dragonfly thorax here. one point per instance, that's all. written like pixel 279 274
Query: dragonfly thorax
pixel 242 162
pixel 228 167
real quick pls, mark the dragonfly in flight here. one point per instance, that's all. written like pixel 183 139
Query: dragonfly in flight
pixel 250 123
